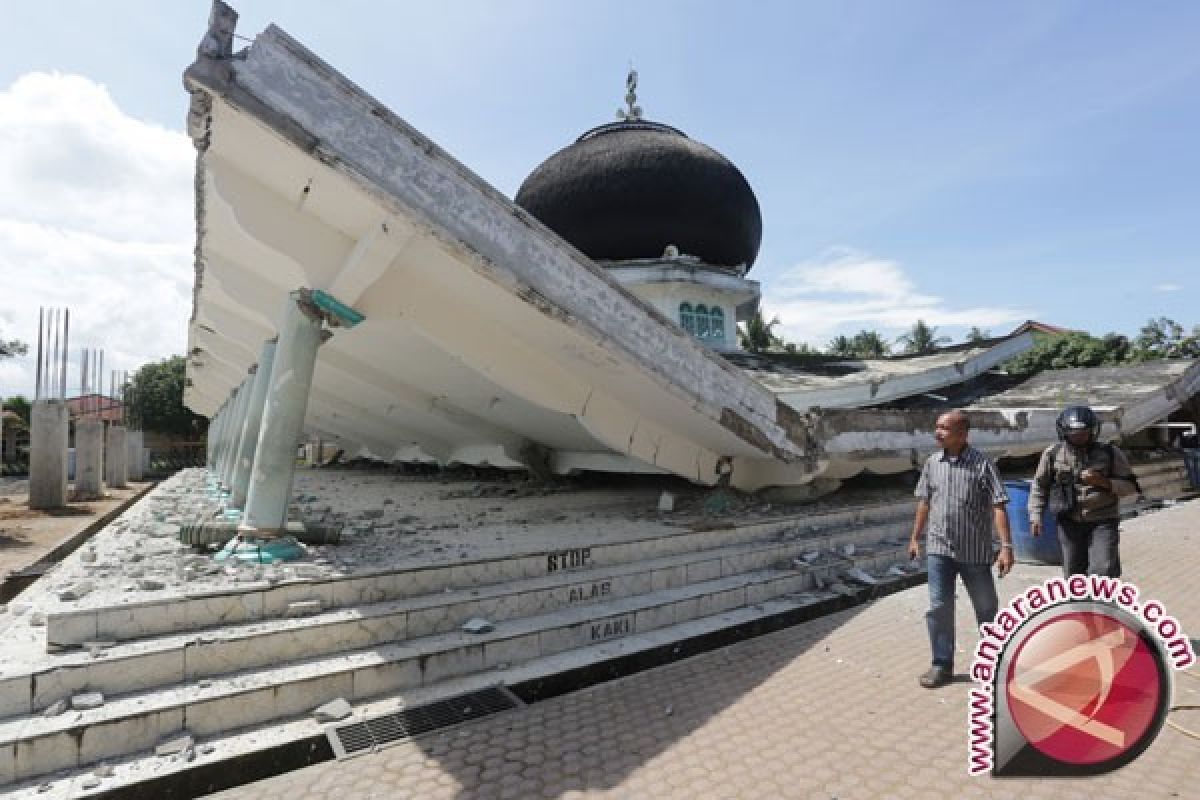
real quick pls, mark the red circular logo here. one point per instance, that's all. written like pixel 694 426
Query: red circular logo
pixel 1084 688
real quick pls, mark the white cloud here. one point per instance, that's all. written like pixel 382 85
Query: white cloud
pixel 844 291
pixel 96 216
pixel 1167 287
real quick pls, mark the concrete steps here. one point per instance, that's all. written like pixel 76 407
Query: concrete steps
pixel 151 776
pixel 189 657
pixel 264 601
pixel 260 670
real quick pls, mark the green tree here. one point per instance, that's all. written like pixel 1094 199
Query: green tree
pixel 12 347
pixel 870 344
pixel 1165 338
pixel 921 338
pixel 19 405
pixel 977 334
pixel 1068 350
pixel 757 335
pixel 840 346
pixel 155 400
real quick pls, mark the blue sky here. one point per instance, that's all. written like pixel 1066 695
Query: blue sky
pixel 963 162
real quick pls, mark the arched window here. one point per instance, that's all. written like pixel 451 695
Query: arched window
pixel 716 324
pixel 702 321
pixel 686 318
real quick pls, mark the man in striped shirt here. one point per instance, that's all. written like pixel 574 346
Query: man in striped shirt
pixel 960 496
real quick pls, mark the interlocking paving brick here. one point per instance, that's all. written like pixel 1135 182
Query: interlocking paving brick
pixel 826 709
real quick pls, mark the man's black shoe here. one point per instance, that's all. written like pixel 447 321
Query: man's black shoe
pixel 936 676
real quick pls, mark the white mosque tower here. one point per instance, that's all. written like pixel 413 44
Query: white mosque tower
pixel 673 220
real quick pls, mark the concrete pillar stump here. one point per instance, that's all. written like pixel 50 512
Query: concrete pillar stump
pixel 48 454
pixel 135 458
pixel 115 470
pixel 89 459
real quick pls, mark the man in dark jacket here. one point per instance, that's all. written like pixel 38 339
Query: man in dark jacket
pixel 1082 480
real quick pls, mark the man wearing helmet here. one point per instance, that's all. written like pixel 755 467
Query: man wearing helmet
pixel 1082 481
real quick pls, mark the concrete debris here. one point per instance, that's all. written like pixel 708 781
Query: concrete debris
pixel 151 584
pixel 176 745
pixel 666 502
pixel 301 608
pixel 848 550
pixel 861 576
pixel 811 557
pixel 333 711
pixel 88 556
pixel 75 591
pixel 86 700
pixel 371 513
pixel 56 708
pixel 478 625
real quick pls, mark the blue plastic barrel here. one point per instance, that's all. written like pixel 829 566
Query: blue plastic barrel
pixel 1027 548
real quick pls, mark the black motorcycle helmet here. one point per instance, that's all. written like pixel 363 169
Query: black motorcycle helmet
pixel 1077 418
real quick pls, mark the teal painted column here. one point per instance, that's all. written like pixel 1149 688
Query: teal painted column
pixel 283 417
pixel 248 443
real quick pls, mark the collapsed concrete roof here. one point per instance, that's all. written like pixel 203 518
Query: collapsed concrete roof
pixel 852 383
pixel 488 339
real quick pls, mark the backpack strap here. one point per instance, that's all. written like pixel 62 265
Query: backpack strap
pixel 1112 459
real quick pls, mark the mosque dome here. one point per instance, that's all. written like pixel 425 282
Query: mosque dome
pixel 630 189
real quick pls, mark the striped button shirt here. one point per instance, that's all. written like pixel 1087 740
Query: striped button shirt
pixel 961 492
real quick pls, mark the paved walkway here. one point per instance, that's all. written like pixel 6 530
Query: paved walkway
pixel 829 709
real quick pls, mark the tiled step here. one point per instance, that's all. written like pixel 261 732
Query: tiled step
pixel 37 745
pixel 140 770
pixel 264 601
pixel 175 658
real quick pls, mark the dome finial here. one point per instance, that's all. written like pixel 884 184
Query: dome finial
pixel 634 112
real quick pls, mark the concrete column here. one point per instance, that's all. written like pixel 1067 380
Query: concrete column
pixel 234 433
pixel 89 458
pixel 244 463
pixel 222 437
pixel 283 417
pixel 210 441
pixel 134 455
pixel 115 470
pixel 48 454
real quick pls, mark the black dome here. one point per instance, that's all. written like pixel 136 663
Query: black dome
pixel 628 189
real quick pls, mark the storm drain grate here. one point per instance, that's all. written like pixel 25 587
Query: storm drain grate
pixel 357 738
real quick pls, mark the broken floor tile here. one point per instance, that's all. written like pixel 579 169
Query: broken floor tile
pixel 333 711
pixel 175 745
pixel 86 700
pixel 478 625
pixel 56 708
pixel 861 576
